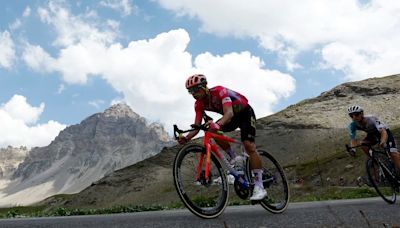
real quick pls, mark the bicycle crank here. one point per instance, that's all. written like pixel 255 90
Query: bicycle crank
pixel 241 191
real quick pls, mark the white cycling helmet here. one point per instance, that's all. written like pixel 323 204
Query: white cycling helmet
pixel 354 109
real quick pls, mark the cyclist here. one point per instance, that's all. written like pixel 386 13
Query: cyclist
pixel 377 132
pixel 236 112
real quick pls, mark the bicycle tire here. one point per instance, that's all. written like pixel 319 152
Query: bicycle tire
pixel 381 183
pixel 277 188
pixel 206 199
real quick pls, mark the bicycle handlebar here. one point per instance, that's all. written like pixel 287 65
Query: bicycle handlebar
pixel 178 132
pixel 348 148
pixel 204 126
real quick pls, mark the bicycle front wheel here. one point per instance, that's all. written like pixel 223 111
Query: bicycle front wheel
pixel 275 183
pixel 206 198
pixel 381 182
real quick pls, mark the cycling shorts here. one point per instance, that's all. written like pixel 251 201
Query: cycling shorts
pixel 246 121
pixel 373 139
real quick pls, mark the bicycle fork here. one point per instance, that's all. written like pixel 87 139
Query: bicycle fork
pixel 200 164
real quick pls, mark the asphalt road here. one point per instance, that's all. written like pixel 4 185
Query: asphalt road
pixel 372 212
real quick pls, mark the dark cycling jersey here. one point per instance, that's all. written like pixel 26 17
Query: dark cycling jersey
pixel 372 127
pixel 220 96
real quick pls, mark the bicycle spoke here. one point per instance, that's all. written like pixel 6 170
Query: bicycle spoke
pixel 379 178
pixel 275 183
pixel 206 198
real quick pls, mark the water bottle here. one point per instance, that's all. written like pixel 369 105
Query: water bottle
pixel 238 164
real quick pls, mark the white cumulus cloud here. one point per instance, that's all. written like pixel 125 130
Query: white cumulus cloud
pixel 357 37
pixel 27 12
pixel 73 29
pixel 123 6
pixel 19 127
pixel 18 108
pixel 37 58
pixel 7 50
pixel 248 75
pixel 150 74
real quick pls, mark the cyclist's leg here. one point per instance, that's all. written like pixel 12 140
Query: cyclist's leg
pixel 394 153
pixel 395 156
pixel 231 126
pixel 248 133
pixel 226 147
pixel 255 161
pixel 259 192
pixel 247 127
pixel 371 140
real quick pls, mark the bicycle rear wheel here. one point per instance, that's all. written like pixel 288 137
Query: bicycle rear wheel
pixel 378 177
pixel 204 198
pixel 275 183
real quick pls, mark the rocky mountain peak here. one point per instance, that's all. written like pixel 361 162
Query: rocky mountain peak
pixel 160 131
pixel 85 152
pixel 120 110
pixel 10 158
pixel 366 88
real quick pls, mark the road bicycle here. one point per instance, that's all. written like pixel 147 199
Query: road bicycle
pixel 200 176
pixel 381 172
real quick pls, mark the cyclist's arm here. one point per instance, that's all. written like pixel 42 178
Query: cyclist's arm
pixel 192 134
pixel 227 107
pixel 384 136
pixel 197 121
pixel 352 133
pixel 228 114
pixel 382 130
pixel 354 143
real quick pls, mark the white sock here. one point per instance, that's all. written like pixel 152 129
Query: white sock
pixel 258 181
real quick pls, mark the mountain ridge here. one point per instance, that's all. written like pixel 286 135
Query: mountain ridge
pixel 83 153
pixel 309 132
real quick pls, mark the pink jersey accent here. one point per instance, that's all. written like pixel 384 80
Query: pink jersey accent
pixel 219 97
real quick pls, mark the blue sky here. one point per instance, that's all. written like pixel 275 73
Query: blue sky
pixel 62 61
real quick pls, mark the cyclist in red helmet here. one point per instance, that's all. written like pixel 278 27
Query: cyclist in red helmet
pixel 236 113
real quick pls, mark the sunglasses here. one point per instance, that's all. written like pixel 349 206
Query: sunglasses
pixel 194 89
pixel 354 114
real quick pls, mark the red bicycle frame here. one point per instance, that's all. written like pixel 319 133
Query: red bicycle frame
pixel 211 147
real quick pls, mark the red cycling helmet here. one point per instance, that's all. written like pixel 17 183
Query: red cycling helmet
pixel 196 79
